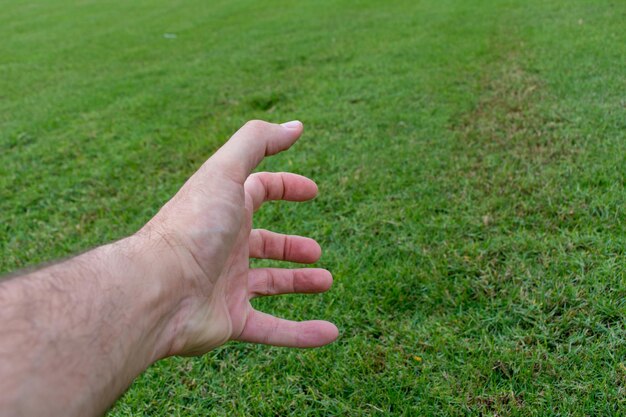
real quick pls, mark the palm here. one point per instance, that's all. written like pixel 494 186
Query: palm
pixel 213 218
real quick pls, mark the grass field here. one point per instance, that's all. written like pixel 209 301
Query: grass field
pixel 471 159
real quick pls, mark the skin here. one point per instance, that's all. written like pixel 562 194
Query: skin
pixel 75 334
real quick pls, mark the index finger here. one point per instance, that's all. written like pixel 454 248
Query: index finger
pixel 266 186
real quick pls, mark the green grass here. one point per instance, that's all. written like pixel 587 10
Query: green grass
pixel 471 158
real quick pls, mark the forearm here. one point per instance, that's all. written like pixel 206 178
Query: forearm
pixel 75 334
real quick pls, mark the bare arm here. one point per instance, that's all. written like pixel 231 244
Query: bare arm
pixel 74 335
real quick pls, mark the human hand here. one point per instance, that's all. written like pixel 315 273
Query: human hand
pixel 76 333
pixel 206 230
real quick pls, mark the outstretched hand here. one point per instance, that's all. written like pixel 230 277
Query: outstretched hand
pixel 207 230
pixel 74 334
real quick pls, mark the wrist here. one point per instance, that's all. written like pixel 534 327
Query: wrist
pixel 150 274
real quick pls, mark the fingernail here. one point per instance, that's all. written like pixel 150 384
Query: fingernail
pixel 294 124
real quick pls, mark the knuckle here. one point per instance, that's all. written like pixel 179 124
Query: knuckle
pixel 259 177
pixel 256 125
pixel 270 284
pixel 282 187
pixel 296 281
pixel 265 247
pixel 287 247
pixel 253 180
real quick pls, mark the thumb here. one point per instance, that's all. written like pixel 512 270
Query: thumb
pixel 254 141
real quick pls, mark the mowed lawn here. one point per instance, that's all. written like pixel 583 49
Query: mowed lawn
pixel 471 160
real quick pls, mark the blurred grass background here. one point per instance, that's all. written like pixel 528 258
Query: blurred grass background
pixel 471 158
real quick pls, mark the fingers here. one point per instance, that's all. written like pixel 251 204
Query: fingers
pixel 274 281
pixel 269 245
pixel 269 330
pixel 265 186
pixel 254 141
